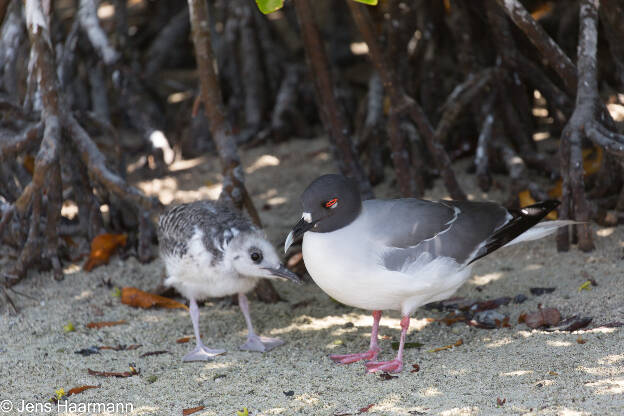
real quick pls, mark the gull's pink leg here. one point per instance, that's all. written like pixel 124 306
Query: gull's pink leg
pixel 396 365
pixel 372 352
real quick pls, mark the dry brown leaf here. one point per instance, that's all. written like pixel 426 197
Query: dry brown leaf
pixel 186 412
pixel 592 160
pixel 133 372
pixel 448 347
pixel 580 340
pixel 121 347
pixel 542 10
pixel 453 318
pixel 77 390
pixel 29 164
pixel 183 340
pixel 543 317
pixel 555 192
pixel 500 401
pixel 98 325
pixel 102 247
pixel 147 354
pixel 132 296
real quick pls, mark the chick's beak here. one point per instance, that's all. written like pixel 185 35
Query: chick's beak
pixel 297 232
pixel 282 271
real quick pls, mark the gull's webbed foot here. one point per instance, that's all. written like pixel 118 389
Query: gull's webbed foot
pixel 394 366
pixel 202 353
pixel 352 358
pixel 260 344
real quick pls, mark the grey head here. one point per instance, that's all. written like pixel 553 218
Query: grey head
pixel 329 203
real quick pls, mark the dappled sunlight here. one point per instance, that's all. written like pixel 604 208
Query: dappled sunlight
pixel 144 410
pixel 69 209
pixel 611 359
pixel 430 392
pixel 209 366
pixel 608 386
pixel 71 269
pixel 186 164
pixel 307 399
pixel 545 382
pixel 277 200
pixel 461 411
pixel 599 330
pixel 392 404
pixel 531 267
pixel 484 279
pixel 263 161
pixel 154 318
pixel 570 412
pixel 559 343
pixel 605 232
pixel 499 343
pixel 309 323
pixel 167 190
pixel 517 373
pixel 85 294
pixel 602 371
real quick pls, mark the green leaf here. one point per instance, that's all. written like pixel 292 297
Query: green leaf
pixel 369 2
pixel 69 327
pixel 244 412
pixel 269 6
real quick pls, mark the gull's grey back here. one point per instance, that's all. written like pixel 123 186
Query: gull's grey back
pixel 219 222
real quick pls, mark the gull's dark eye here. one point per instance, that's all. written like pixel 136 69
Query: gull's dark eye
pixel 332 203
pixel 256 257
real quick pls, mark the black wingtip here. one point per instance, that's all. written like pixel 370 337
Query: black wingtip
pixel 540 209
pixel 524 218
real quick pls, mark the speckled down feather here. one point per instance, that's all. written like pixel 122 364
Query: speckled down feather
pixel 219 222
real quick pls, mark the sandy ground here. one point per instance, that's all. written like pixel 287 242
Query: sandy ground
pixel 535 371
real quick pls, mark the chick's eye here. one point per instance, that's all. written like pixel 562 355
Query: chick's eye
pixel 256 257
pixel 332 203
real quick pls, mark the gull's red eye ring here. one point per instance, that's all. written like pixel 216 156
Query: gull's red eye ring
pixel 331 203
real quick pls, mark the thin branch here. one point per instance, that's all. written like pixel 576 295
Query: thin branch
pixel 401 103
pixel 87 13
pixel 548 48
pixel 234 181
pixel 587 99
pixel 331 114
pixel 11 145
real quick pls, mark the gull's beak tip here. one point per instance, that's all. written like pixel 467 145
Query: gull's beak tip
pixel 288 242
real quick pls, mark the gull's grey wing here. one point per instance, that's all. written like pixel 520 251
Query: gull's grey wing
pixel 403 223
pixel 454 229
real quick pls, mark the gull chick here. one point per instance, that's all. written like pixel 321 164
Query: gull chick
pixel 403 253
pixel 211 250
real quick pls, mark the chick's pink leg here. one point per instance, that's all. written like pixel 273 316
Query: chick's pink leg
pixel 201 352
pixel 372 352
pixel 396 365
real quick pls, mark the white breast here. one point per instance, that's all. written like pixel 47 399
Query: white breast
pixel 346 264
pixel 195 276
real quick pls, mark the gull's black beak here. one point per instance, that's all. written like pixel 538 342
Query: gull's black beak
pixel 297 232
pixel 282 271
